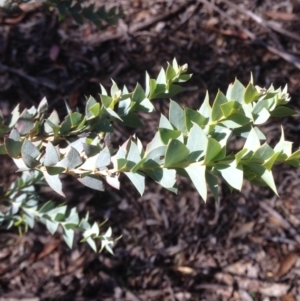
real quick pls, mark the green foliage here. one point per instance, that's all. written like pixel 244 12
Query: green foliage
pixel 190 143
pixel 73 8
pixel 21 206
pixel 80 12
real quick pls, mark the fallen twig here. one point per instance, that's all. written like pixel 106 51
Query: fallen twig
pixel 267 24
pixel 95 40
pixel 33 80
pixel 285 224
pixel 281 53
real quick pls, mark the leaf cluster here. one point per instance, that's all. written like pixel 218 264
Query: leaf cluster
pixel 79 12
pixel 33 138
pixel 21 207
pixel 78 145
pixel 194 143
pixel 190 143
pixel 75 9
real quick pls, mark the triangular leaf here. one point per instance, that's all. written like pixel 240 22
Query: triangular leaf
pixel 233 175
pixel 51 156
pixel 197 175
pixel 165 177
pixel 138 94
pixel 68 235
pixel 217 113
pixel 29 154
pixel 176 152
pixel 72 159
pixel 212 150
pixel 205 109
pixel 250 94
pixel 282 111
pixel 54 182
pixel 193 116
pixel 13 147
pixel 252 142
pixel 164 123
pixel 196 143
pixel 43 106
pixel 138 180
pixel 176 116
pixel 237 91
pixel 25 123
pixel 103 159
pixel 93 182
pixel 54 170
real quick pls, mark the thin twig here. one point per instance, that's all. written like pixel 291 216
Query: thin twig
pixel 31 79
pixel 138 27
pixel 256 18
pixel 281 53
pixel 285 224
pixel 273 25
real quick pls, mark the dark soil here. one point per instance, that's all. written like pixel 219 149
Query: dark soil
pixel 173 247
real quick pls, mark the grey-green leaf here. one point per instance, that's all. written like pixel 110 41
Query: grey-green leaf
pixel 197 175
pixel 232 174
pixel 72 159
pixel 217 113
pixel 51 156
pixel 68 235
pixel 212 150
pixel 205 109
pixel 54 182
pixel 176 116
pixel 29 154
pixel 43 106
pixel 138 180
pixel 13 147
pixel 165 177
pixel 196 143
pixel 93 182
pixel 103 159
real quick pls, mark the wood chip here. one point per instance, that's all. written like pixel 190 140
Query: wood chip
pixel 242 230
pixel 254 285
pixel 286 264
pixel 185 270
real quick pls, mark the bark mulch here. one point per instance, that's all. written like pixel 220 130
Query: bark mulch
pixel 173 247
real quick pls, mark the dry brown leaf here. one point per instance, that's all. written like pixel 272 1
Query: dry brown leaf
pixel 286 264
pixel 288 297
pixel 277 222
pixel 243 229
pixel 48 248
pixel 281 16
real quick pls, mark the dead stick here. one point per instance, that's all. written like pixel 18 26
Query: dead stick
pixel 285 224
pixel 32 79
pixel 261 21
pixel 281 53
pixel 140 26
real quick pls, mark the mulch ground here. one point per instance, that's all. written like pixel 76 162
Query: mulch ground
pixel 173 247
